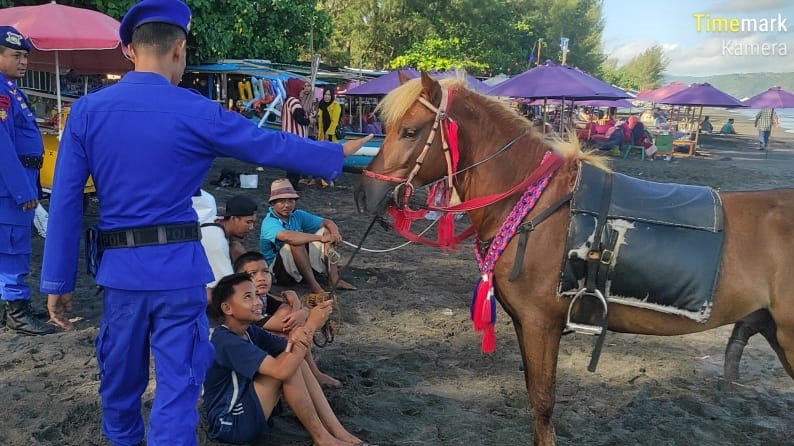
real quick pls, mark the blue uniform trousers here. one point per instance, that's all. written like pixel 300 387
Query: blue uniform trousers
pixel 14 262
pixel 173 325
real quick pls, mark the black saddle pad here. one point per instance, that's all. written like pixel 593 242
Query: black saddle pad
pixel 667 242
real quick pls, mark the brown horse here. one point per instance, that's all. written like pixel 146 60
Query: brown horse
pixel 758 234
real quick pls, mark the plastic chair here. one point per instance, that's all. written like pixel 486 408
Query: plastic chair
pixel 630 147
pixel 664 144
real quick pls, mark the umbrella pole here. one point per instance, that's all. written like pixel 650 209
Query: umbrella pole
pixel 58 94
pixel 544 116
pixel 697 129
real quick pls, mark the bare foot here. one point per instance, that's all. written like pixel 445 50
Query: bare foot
pixel 342 285
pixel 329 381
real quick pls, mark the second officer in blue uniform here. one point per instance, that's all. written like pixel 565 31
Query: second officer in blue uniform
pixel 148 145
pixel 20 160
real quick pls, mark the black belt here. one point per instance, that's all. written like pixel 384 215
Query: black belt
pixel 31 162
pixel 150 235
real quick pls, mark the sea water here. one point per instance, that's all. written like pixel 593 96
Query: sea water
pixel 786 117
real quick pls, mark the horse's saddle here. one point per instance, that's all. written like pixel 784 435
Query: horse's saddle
pixel 663 242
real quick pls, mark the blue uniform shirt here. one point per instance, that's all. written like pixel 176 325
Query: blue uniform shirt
pixel 148 145
pixel 19 135
pixel 299 220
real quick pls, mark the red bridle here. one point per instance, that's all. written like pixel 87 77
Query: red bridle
pixel 449 145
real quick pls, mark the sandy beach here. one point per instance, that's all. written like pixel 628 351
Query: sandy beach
pixel 411 365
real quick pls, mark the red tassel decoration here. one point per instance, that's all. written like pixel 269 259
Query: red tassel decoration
pixel 452 140
pixel 446 231
pixel 483 312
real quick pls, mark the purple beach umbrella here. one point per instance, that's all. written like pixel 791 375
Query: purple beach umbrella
pixel 553 81
pixel 775 97
pixel 704 95
pixel 381 86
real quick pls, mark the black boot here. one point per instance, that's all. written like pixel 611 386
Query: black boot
pixel 19 317
pixel 2 314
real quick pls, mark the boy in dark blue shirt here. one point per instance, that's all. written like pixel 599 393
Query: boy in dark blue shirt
pixel 252 368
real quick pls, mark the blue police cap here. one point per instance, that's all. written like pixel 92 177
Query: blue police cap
pixel 174 12
pixel 11 38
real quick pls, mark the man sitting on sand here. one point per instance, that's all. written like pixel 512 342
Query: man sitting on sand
pixel 727 128
pixel 252 368
pixel 296 243
pixel 221 236
pixel 280 314
pixel 706 126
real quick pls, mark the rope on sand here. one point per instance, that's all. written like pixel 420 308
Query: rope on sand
pixel 381 251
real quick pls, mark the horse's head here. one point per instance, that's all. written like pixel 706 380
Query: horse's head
pixel 411 154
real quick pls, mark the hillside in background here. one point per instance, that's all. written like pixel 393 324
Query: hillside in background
pixel 742 85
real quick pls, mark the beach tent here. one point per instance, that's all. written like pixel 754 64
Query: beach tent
pixel 703 95
pixel 68 38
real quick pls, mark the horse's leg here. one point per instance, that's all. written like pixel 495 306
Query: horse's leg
pixel 759 321
pixel 539 339
pixel 782 339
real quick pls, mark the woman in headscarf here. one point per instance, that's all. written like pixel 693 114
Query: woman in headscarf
pixel 328 114
pixel 294 118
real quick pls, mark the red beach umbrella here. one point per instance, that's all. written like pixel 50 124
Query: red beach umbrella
pixel 661 92
pixel 65 37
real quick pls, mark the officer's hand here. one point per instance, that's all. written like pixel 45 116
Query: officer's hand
pixel 28 205
pixel 59 306
pixel 352 146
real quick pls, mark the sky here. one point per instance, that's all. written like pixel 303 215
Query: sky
pixel 632 26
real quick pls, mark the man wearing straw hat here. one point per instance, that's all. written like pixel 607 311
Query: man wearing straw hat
pixel 297 243
pixel 148 144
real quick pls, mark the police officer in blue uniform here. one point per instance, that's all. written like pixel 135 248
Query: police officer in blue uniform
pixel 148 145
pixel 21 151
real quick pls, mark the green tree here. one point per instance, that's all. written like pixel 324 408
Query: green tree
pixel 647 68
pixel 279 30
pixel 496 35
pixel 436 54
pixel 611 74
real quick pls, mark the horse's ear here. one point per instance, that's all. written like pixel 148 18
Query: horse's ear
pixel 430 87
pixel 402 77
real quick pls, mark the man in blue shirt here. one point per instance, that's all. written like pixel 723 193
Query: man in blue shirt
pixel 296 243
pixel 148 145
pixel 21 151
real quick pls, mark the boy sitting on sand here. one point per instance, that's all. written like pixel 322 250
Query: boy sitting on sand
pixel 280 315
pixel 252 368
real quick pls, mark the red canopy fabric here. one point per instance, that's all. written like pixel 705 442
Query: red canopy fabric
pixel 84 40
pixel 661 92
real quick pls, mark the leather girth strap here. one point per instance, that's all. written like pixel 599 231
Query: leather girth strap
pixel 597 258
pixel 526 228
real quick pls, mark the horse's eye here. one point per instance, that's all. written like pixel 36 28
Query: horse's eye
pixel 408 133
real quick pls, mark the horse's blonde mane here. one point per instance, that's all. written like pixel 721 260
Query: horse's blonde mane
pixel 397 103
